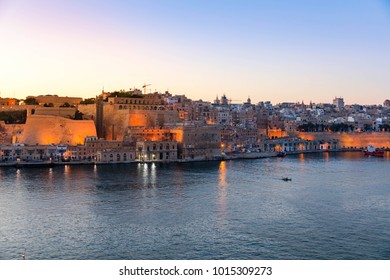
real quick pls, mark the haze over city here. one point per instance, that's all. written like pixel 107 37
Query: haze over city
pixel 268 50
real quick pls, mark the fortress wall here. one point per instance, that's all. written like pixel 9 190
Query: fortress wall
pixel 120 120
pixel 377 139
pixel 117 120
pixel 45 130
pixel 18 107
pixel 66 112
pixel 9 133
pixel 152 118
pixel 89 111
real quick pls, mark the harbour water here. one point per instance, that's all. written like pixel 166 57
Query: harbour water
pixel 337 206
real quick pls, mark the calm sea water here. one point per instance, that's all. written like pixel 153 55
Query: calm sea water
pixel 337 206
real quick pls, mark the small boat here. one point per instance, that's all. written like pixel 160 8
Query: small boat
pixel 281 154
pixel 286 179
pixel 372 151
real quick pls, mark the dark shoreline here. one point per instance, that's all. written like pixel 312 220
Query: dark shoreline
pixel 252 155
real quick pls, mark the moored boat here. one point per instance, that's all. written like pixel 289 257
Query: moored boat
pixel 372 151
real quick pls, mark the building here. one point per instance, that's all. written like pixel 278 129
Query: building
pixel 8 102
pixel 156 150
pixel 197 142
pixel 93 147
pixel 193 142
pixel 294 144
pixel 26 153
pixel 338 102
pixel 117 156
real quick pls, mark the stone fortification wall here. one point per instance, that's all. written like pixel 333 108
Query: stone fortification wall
pixel 115 123
pixel 378 139
pixel 152 118
pixel 88 110
pixel 45 130
pixel 10 133
pixel 66 112
pixel 56 100
pixel 18 107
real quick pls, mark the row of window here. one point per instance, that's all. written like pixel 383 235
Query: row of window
pixel 154 147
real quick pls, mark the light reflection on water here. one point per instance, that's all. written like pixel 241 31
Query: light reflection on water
pixel 336 207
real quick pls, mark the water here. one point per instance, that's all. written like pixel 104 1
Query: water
pixel 337 206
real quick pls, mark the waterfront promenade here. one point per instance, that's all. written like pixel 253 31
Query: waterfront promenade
pixel 251 155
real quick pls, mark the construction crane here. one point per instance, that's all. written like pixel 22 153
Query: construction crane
pixel 144 87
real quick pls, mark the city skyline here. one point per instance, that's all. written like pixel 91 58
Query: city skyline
pixel 278 51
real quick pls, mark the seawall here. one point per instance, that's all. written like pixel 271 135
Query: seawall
pixel 359 140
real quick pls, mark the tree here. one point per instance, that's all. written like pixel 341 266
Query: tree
pixel 66 105
pixel 31 101
pixel 78 115
pixel 88 101
pixel 13 117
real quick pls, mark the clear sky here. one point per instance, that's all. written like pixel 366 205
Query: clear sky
pixel 277 50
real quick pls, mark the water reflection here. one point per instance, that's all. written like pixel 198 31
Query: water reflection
pixel 326 156
pixel 18 175
pixel 148 173
pixel 50 176
pixel 67 171
pixel 222 194
pixel 153 176
pixel 222 174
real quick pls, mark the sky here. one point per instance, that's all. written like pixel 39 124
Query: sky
pixel 278 51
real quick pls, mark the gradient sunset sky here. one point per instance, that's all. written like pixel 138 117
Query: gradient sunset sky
pixel 275 50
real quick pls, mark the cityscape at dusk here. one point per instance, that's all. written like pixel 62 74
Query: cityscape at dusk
pixel 153 133
pixel 268 50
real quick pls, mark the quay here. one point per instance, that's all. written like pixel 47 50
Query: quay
pixel 252 155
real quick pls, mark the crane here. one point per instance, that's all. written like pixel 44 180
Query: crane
pixel 144 87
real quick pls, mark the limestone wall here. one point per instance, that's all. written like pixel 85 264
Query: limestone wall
pixel 45 130
pixel 89 111
pixel 378 139
pixel 115 122
pixel 10 133
pixel 18 107
pixel 66 112
pixel 152 118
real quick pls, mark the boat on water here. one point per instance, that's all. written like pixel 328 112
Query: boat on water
pixel 372 151
pixel 281 154
pixel 286 179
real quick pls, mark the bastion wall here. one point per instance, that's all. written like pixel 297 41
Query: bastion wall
pixel 45 130
pixel 362 139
